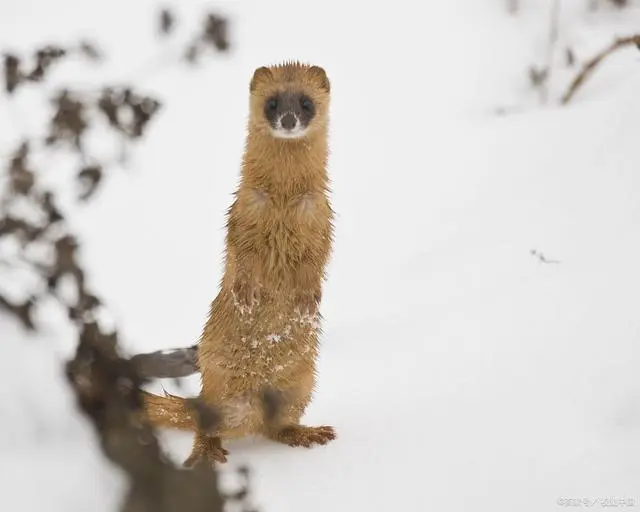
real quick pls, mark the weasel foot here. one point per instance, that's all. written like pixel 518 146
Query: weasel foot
pixel 206 449
pixel 301 435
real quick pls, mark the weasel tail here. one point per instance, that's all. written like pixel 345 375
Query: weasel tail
pixel 168 411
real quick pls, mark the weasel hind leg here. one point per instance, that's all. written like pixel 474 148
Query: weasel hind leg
pixel 284 425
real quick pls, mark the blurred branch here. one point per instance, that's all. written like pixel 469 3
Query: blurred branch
pixel 163 364
pixel 588 69
pixel 593 4
pixel 107 386
pixel 23 312
pixel 107 390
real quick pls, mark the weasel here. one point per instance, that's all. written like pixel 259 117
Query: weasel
pixel 263 327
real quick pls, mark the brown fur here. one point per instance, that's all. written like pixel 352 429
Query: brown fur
pixel 264 324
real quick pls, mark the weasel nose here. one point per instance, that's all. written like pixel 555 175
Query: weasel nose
pixel 288 121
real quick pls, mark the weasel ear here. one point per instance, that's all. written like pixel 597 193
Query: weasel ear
pixel 321 76
pixel 262 74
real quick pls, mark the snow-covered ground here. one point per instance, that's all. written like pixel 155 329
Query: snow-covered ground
pixel 460 371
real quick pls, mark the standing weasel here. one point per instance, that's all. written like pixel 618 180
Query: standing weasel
pixel 263 326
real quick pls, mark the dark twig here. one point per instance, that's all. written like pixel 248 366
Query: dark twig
pixel 542 258
pixel 589 67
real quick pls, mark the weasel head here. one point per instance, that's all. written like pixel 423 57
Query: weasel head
pixel 289 100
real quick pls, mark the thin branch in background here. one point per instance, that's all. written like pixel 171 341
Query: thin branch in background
pixel 590 66
pixel 554 35
pixel 554 29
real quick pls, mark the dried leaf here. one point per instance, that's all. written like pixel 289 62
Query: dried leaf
pixel 21 177
pixel 193 52
pixel 12 73
pixel 90 51
pixel 87 303
pixel 570 57
pixel 45 57
pixel 25 231
pixel 23 312
pixel 109 104
pixel 167 21
pixel 143 111
pixel 66 264
pixel 215 32
pixel 538 76
pixel 68 123
pixel 53 214
pixel 89 178
pixel 37 74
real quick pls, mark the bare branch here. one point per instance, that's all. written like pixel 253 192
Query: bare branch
pixel 588 69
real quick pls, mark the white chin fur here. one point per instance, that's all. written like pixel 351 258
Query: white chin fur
pixel 296 133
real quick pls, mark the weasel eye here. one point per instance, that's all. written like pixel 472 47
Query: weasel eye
pixel 272 104
pixel 306 103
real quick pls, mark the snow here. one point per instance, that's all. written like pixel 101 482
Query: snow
pixel 274 338
pixel 460 371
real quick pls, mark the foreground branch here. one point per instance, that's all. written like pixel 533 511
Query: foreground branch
pixel 164 364
pixel 23 312
pixel 590 66
pixel 107 389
